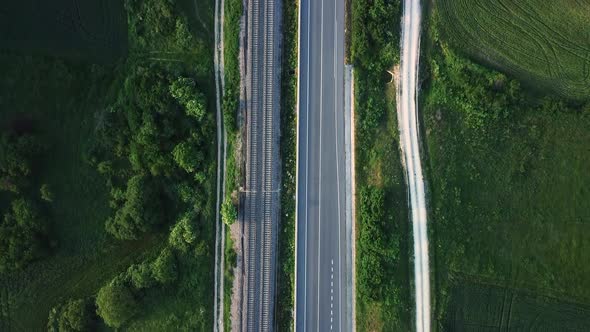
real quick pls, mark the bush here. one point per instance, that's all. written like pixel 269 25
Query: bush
pixel 115 304
pixel 16 160
pixel 184 233
pixel 141 275
pixel 46 193
pixel 75 315
pixel 140 212
pixel 21 234
pixel 164 267
pixel 229 213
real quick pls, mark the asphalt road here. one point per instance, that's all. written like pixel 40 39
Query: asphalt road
pixel 409 137
pixel 321 239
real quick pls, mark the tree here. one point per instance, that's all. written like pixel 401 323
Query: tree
pixel 16 160
pixel 115 304
pixel 187 156
pixel 21 232
pixel 164 267
pixel 184 233
pixel 141 275
pixel 46 193
pixel 140 211
pixel 185 91
pixel 75 315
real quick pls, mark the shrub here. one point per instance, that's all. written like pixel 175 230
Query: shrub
pixel 115 304
pixel 184 233
pixel 140 211
pixel 229 213
pixel 46 193
pixel 21 232
pixel 75 315
pixel 164 267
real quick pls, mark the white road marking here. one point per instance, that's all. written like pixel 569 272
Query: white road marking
pixel 320 162
pixel 306 175
pixel 337 167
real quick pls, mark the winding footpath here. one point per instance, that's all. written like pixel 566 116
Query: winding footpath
pixel 409 138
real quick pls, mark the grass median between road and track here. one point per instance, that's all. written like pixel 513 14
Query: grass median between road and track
pixel 382 225
pixel 232 13
pixel 508 176
pixel 285 289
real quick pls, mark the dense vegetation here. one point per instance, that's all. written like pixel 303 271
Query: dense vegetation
pixel 119 195
pixel 509 181
pixel 383 294
pixel 23 228
pixel 230 108
pixel 286 244
pixel 544 43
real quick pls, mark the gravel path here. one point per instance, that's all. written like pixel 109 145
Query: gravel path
pixel 409 137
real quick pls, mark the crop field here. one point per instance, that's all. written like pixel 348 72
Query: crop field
pixel 481 307
pixel 546 44
pixel 80 28
pixel 508 180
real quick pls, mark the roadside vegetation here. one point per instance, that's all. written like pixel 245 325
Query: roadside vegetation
pixel 543 43
pixel 286 244
pixel 107 180
pixel 230 107
pixel 383 292
pixel 508 177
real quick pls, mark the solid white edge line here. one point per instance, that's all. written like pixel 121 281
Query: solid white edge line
pixel 320 161
pixel 297 137
pixel 337 171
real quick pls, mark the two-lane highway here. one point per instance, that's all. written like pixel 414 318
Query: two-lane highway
pixel 321 245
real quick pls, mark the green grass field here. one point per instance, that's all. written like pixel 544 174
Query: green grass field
pixel 508 181
pixel 85 29
pixel 544 43
pixel 482 307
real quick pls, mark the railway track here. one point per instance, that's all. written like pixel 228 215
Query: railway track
pixel 260 215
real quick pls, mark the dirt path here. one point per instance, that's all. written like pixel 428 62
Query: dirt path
pixel 407 105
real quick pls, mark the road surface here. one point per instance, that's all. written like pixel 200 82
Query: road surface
pixel 260 197
pixel 321 302
pixel 409 137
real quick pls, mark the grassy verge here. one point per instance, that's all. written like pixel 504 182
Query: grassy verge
pixel 232 15
pixel 383 292
pixel 286 251
pixel 508 179
pixel 540 42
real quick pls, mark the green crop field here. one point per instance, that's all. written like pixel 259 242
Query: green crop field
pixel 481 307
pixel 89 29
pixel 544 43
pixel 507 175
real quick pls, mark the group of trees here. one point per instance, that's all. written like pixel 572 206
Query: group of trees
pixel 153 148
pixel 155 24
pixel 23 226
pixel 117 301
